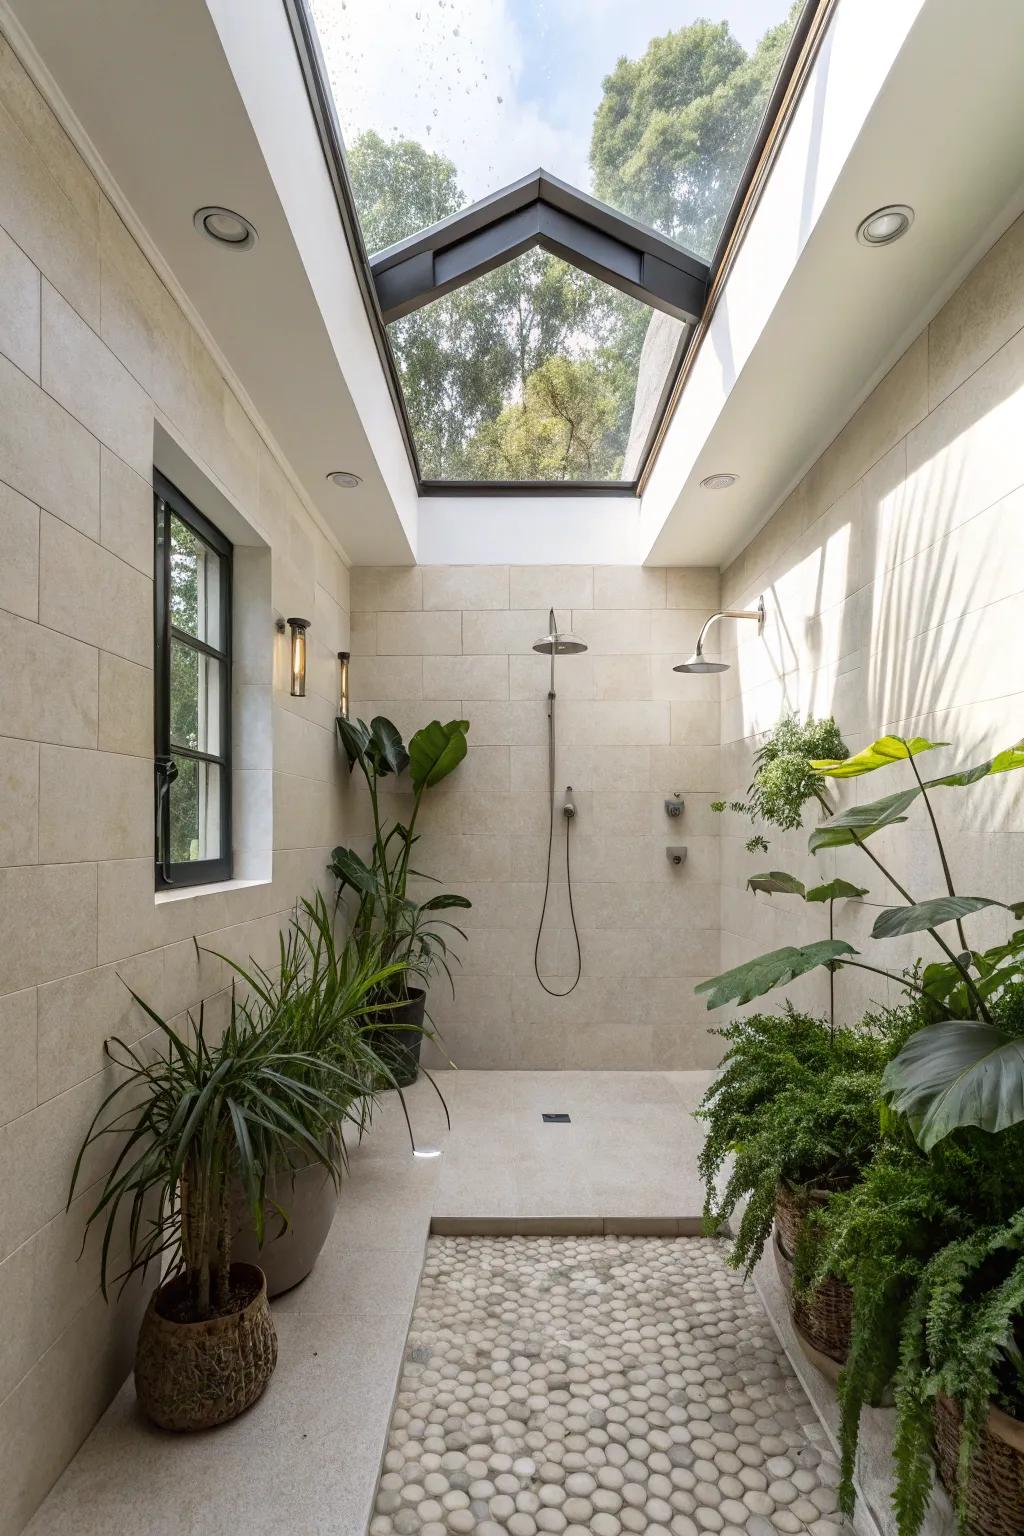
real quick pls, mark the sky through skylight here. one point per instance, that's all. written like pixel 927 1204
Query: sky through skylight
pixel 650 105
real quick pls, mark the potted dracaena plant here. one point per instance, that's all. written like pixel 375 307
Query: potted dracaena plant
pixel 194 1119
pixel 388 917
pixel 320 996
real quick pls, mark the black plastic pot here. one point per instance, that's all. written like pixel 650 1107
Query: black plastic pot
pixel 399 1048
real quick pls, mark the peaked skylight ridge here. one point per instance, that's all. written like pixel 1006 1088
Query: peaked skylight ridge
pixel 534 333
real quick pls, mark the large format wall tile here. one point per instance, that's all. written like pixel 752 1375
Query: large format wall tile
pixel 46 454
pixel 624 744
pixel 92 346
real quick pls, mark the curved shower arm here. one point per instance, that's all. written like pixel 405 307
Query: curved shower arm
pixel 731 613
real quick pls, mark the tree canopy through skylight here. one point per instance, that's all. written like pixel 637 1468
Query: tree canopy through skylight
pixel 537 371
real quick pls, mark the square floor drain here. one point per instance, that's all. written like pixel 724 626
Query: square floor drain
pixel 559 1119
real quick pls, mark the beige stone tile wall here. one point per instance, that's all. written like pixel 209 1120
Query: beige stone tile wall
pixel 894 582
pixel 93 351
pixel 456 641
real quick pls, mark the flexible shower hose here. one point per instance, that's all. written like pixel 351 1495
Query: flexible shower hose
pixel 551 991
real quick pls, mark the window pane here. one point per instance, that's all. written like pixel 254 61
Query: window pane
pixel 645 105
pixel 195 812
pixel 536 371
pixel 196 682
pixel 195 585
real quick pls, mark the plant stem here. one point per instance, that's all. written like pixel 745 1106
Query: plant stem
pixel 831 982
pixel 942 851
pixel 972 991
pixel 901 981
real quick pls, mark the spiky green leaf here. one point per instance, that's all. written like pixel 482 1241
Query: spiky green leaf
pixel 924 915
pixel 776 882
pixel 386 747
pixel 859 822
pixel 836 890
pixel 436 750
pixel 956 1074
pixel 1003 762
pixel 886 750
pixel 756 977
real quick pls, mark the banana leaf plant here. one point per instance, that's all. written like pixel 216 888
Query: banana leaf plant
pixel 387 919
pixel 962 1068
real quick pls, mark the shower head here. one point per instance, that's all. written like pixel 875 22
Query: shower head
pixel 555 644
pixel 698 662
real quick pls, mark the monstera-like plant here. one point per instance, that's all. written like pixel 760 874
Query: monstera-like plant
pixel 961 1069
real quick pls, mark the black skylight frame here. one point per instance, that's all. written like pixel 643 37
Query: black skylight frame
pixel 538 210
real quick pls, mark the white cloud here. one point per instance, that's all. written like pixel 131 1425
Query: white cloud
pixel 499 86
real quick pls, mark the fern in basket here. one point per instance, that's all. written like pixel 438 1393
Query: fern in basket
pixel 794 1103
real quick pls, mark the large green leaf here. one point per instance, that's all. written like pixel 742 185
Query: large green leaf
pixel 439 903
pixel 836 890
pixel 349 868
pixel 886 750
pixel 776 881
pixel 386 748
pixel 756 977
pixel 928 914
pixel 436 750
pixel 1003 762
pixel 955 1074
pixel 861 821
pixel 355 737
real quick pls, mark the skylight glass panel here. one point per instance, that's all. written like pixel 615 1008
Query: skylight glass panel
pixel 652 106
pixel 535 372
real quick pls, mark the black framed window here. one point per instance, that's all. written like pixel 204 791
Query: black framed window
pixel 193 694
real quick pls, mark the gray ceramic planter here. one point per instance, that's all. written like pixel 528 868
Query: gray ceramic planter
pixel 311 1201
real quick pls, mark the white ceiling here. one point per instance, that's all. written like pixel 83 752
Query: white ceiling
pixel 201 101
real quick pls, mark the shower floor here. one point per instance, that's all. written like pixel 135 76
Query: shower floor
pixel 592 1385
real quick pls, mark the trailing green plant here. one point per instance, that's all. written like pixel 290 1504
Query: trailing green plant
pixel 387 920
pixel 190 1121
pixel 957 1072
pixel 795 1103
pixel 785 778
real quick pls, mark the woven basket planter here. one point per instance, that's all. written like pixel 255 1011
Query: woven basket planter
pixel 195 1375
pixel 995 1496
pixel 824 1317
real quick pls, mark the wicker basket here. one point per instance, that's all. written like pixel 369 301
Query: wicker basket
pixel 825 1316
pixel 195 1375
pixel 995 1496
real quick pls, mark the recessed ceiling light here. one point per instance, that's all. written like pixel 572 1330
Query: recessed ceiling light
pixel 345 478
pixel 225 227
pixel 720 482
pixel 885 225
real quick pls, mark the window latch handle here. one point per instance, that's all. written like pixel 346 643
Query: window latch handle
pixel 166 773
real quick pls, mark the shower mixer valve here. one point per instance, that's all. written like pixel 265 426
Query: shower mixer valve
pixel 569 807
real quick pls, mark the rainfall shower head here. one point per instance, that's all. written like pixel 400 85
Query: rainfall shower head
pixel 698 662
pixel 555 644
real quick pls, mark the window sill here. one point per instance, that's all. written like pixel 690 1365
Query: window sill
pixel 215 888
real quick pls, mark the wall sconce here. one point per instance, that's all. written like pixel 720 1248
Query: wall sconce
pixel 297 646
pixel 343 660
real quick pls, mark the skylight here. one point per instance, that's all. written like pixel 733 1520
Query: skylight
pixel 543 364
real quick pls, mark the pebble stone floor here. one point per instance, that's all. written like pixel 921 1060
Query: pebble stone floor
pixel 592 1385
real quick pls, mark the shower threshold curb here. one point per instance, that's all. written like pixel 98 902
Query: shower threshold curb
pixel 567 1226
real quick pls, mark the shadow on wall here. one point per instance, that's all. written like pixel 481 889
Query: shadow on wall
pixel 899 609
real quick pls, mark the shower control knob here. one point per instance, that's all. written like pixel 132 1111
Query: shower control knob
pixel 674 806
pixel 569 807
pixel 676 855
